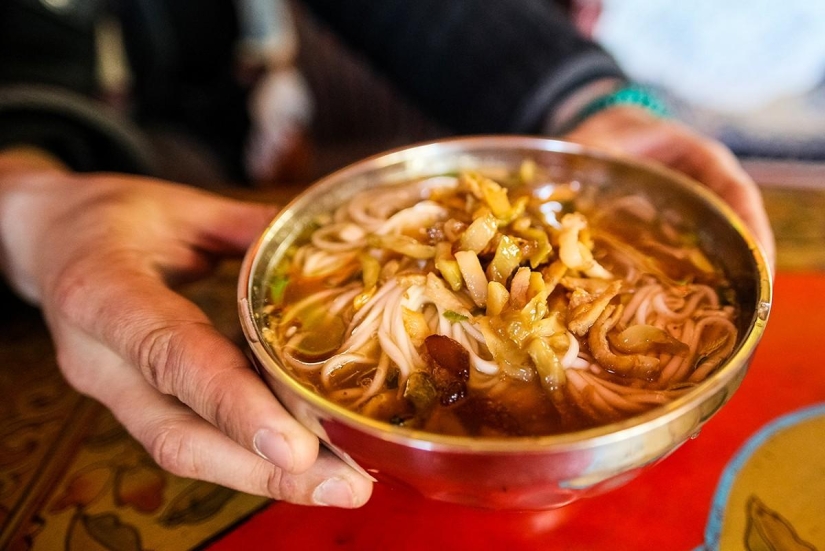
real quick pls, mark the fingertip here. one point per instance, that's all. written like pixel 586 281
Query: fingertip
pixel 237 223
pixel 334 492
pixel 273 447
pixel 341 492
pixel 261 214
pixel 293 453
pixel 340 485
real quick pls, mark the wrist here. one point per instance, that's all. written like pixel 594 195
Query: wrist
pixel 599 96
pixel 26 158
pixel 22 173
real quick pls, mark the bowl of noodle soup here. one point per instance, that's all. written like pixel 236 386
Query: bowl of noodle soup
pixel 501 321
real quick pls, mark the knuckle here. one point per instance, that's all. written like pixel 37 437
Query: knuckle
pixel 281 486
pixel 219 404
pixel 160 355
pixel 154 356
pixel 172 449
pixel 165 357
pixel 222 412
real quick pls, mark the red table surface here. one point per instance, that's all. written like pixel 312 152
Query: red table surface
pixel 665 507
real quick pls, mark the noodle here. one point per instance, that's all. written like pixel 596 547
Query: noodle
pixel 472 306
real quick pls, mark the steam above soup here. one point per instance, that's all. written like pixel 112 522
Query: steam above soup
pixel 494 305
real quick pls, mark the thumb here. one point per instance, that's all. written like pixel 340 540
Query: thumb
pixel 224 225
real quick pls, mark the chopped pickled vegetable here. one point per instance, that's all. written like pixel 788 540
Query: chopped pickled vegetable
pixel 370 270
pixel 507 258
pixel 646 339
pixel 473 275
pixel 478 234
pixel 551 372
pixel 402 244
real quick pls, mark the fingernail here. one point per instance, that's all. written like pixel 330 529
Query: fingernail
pixel 334 492
pixel 273 447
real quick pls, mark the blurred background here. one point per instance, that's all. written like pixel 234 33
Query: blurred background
pixel 750 73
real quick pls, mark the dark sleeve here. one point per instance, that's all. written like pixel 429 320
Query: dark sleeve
pixel 476 65
pixel 84 134
pixel 47 88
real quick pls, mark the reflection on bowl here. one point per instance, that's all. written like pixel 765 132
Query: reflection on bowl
pixel 513 472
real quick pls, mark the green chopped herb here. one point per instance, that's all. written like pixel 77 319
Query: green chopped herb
pixel 455 317
pixel 277 288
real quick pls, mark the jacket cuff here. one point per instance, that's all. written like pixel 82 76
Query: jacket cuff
pixel 576 73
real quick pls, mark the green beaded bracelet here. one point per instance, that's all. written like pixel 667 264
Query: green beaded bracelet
pixel 629 95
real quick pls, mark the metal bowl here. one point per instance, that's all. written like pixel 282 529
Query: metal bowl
pixel 517 472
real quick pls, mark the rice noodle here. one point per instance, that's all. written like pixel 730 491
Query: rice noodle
pixel 552 343
pixel 420 215
pixel 345 236
pixel 572 351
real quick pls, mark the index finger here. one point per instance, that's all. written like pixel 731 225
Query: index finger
pixel 176 348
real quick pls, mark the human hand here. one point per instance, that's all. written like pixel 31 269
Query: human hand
pixel 99 253
pixel 634 131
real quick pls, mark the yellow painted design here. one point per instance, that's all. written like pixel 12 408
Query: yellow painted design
pixel 777 501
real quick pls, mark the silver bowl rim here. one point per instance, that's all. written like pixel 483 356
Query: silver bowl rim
pixel 555 443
